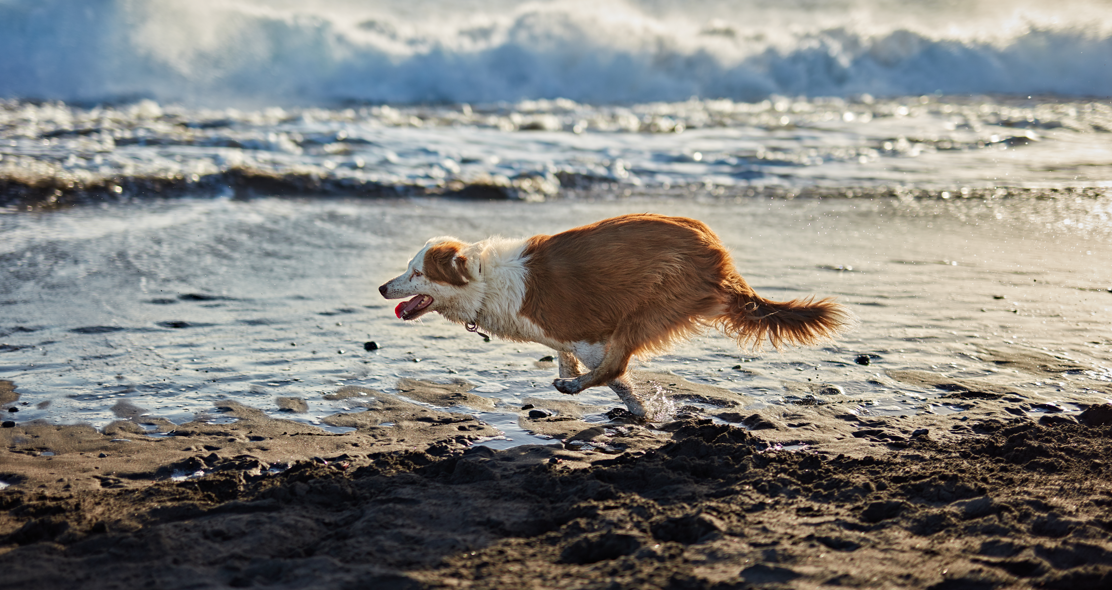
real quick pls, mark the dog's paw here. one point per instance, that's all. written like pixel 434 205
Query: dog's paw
pixel 570 386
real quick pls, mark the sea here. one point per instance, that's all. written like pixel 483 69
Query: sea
pixel 219 168
pixel 528 99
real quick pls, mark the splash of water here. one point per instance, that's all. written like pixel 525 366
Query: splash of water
pixel 659 407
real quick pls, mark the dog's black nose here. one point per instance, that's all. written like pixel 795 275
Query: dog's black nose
pixel 382 290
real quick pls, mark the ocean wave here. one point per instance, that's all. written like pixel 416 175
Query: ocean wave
pixel 208 53
pixel 53 154
pixel 22 194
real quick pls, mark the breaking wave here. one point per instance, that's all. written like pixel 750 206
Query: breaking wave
pixel 433 51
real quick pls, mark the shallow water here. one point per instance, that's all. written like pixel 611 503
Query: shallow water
pixel 163 309
pixel 53 154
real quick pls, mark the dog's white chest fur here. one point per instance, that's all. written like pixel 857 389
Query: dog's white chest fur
pixel 493 299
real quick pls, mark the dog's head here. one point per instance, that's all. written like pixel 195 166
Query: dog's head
pixel 435 278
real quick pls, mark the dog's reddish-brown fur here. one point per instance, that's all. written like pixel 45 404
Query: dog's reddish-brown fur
pixel 640 282
pixel 443 263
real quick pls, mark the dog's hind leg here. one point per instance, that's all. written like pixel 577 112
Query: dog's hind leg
pixel 569 366
pixel 623 386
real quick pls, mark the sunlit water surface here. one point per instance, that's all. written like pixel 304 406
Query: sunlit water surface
pixel 163 309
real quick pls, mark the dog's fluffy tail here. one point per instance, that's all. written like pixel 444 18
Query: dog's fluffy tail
pixel 751 319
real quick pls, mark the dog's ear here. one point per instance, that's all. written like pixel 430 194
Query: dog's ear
pixel 461 266
pixel 445 264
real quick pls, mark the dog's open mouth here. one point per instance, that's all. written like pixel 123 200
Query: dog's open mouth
pixel 414 308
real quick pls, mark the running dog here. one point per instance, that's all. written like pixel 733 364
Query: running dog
pixel 601 293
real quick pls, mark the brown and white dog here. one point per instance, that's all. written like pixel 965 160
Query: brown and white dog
pixel 604 292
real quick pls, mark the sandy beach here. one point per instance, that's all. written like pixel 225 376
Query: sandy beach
pixel 801 499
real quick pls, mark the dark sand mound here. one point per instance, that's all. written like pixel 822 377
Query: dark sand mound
pixel 1012 505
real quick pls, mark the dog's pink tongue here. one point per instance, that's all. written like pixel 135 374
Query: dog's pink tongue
pixel 418 302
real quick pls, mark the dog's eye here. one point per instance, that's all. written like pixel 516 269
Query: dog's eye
pixel 417 273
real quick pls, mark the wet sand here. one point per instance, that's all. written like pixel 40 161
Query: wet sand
pixel 958 438
pixel 728 498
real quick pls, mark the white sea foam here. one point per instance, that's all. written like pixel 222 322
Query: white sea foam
pixel 252 52
pixel 539 149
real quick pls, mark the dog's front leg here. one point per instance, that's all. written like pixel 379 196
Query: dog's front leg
pixel 569 386
pixel 569 366
pixel 611 364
